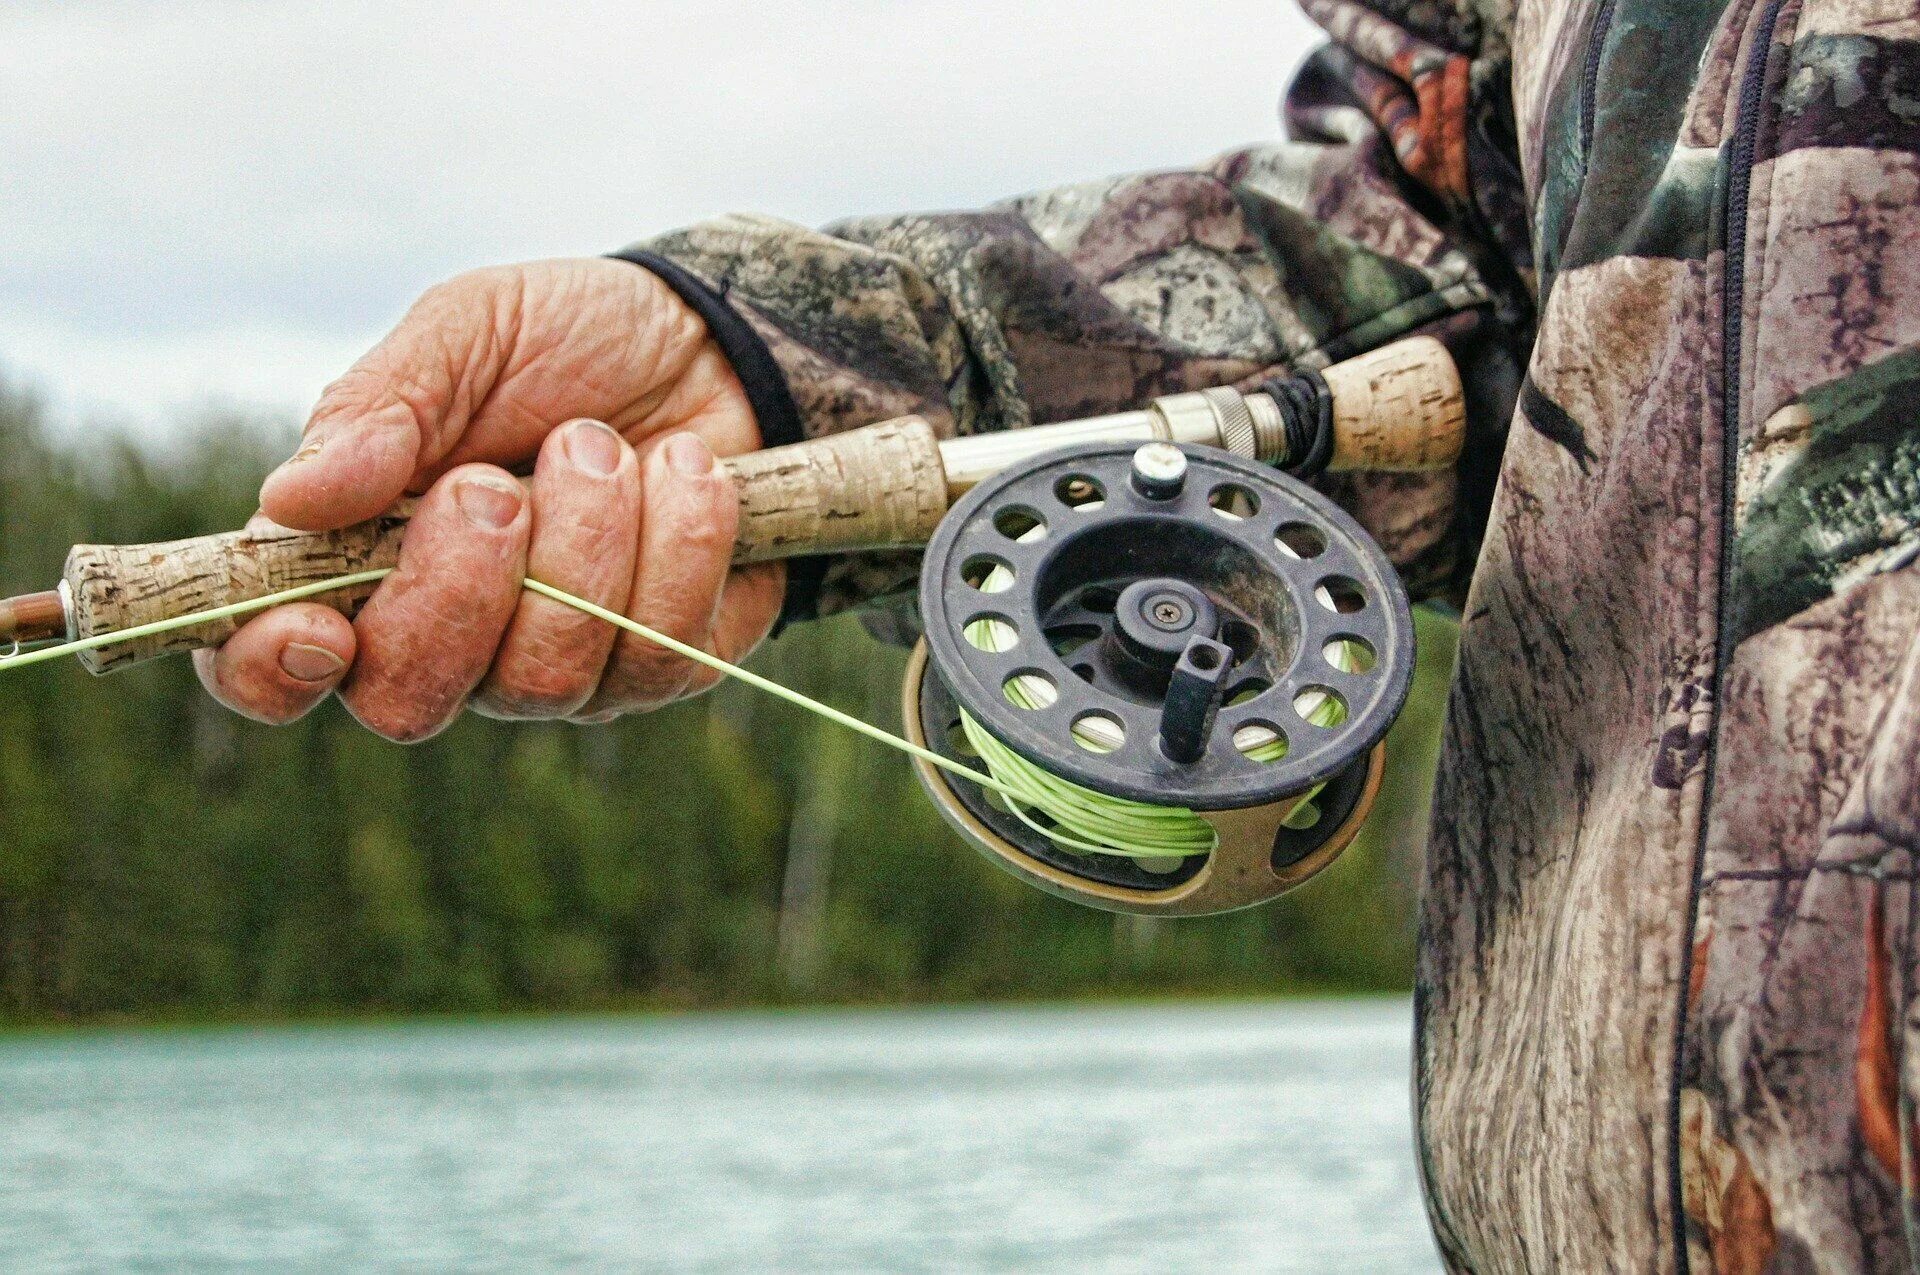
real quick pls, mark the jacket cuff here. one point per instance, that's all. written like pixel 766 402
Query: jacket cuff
pixel 766 390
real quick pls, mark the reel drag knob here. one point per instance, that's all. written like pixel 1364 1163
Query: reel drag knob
pixel 1153 641
pixel 1154 622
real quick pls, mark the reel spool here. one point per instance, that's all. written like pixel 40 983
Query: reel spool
pixel 1169 625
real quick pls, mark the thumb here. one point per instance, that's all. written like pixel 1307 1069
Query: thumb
pixel 393 413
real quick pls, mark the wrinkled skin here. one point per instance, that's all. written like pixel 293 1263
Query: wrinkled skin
pixel 602 382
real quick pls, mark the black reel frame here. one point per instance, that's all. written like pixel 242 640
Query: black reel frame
pixel 1173 615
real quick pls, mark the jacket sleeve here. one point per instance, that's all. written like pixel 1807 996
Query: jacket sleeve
pixel 1096 297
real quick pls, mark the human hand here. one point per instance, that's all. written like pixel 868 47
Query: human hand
pixel 599 377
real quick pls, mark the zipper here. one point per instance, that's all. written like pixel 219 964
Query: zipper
pixel 1590 78
pixel 1732 306
pixel 1740 156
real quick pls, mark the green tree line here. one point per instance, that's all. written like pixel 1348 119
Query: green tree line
pixel 162 858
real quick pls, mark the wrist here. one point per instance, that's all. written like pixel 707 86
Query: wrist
pixel 765 386
pixel 761 379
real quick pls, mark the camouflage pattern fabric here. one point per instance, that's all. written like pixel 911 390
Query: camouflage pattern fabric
pixel 1670 964
pixel 1096 298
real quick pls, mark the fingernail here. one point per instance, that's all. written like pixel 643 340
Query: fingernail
pixel 593 447
pixel 688 455
pixel 490 503
pixel 310 447
pixel 304 663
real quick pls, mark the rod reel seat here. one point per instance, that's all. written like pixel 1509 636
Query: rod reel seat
pixel 1170 625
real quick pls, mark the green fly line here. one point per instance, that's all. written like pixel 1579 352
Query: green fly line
pixel 1071 816
pixel 1160 835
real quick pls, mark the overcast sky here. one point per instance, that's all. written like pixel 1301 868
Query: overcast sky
pixel 213 202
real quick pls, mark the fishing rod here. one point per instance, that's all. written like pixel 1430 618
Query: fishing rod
pixel 1157 666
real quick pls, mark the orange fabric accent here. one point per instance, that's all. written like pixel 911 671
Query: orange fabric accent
pixel 1438 158
pixel 1875 1079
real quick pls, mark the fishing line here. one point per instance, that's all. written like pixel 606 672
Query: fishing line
pixel 232 609
pixel 1066 813
pixel 1131 829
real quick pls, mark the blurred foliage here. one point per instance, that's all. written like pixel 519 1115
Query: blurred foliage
pixel 159 857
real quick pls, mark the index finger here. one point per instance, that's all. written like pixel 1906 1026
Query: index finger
pixel 397 410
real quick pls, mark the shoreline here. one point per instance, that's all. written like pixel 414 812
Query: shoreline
pixel 664 1009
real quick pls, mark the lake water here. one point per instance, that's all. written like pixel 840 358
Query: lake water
pixel 1268 1137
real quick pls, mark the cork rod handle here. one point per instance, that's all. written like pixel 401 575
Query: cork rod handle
pixel 872 488
pixel 1399 407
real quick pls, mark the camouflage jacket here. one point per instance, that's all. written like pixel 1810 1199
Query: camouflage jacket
pixel 1669 954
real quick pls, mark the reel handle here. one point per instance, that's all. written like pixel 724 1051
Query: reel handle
pixel 882 486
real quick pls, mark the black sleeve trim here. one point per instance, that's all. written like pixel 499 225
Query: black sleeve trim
pixel 766 388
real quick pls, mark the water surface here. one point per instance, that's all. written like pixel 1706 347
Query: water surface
pixel 1267 1137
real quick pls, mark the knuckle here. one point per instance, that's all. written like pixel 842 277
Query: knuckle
pixel 402 728
pixel 527 688
pixel 735 643
pixel 600 541
pixel 589 551
pixel 648 674
pixel 345 394
pixel 703 680
pixel 391 393
pixel 402 719
pixel 657 670
pixel 458 291
pixel 710 531
pixel 490 300
pixel 507 305
pixel 756 595
pixel 413 388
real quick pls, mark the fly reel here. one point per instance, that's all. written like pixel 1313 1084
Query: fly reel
pixel 1163 638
